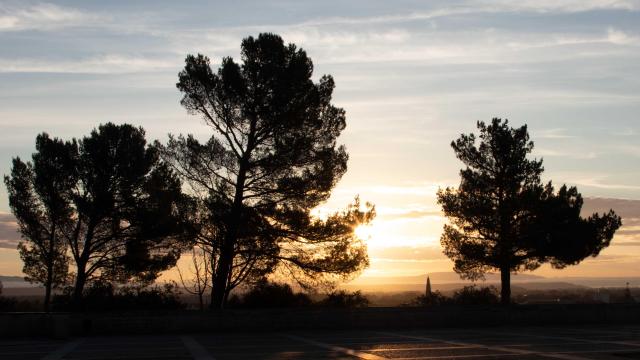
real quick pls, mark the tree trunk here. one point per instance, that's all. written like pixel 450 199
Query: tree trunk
pixel 50 268
pixel 505 279
pixel 47 294
pixel 225 261
pixel 49 282
pixel 219 287
pixel 82 259
pixel 81 280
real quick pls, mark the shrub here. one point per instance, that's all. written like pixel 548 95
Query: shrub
pixel 269 295
pixel 345 299
pixel 471 295
pixel 435 299
pixel 103 296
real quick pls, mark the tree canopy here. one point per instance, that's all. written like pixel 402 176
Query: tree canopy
pixel 106 201
pixel 129 208
pixel 272 158
pixel 39 196
pixel 503 218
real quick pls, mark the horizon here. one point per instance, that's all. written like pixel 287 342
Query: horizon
pixel 411 78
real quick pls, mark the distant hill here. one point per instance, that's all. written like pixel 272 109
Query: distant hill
pixel 441 281
pixel 449 281
pixel 14 282
pixel 597 282
pixel 450 287
pixel 440 278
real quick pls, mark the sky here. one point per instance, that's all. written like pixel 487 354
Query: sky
pixel 411 75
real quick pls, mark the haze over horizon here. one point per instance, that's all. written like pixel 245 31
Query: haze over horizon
pixel 411 76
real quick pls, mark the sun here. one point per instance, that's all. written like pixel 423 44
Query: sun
pixel 364 232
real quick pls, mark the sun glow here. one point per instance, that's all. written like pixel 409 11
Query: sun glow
pixel 364 232
pixel 401 232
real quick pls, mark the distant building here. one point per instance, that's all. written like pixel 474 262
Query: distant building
pixel 427 292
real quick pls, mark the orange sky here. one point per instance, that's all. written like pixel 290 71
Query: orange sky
pixel 411 76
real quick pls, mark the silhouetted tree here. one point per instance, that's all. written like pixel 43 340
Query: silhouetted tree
pixel 272 159
pixel 129 209
pixel 39 197
pixel 107 200
pixel 502 217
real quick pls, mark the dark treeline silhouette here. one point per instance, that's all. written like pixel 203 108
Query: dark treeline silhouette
pixel 266 294
pixel 109 208
pixel 112 207
pixel 103 296
pixel 467 295
pixel 504 218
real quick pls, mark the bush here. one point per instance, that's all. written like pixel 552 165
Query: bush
pixel 345 299
pixel 103 296
pixel 269 295
pixel 471 295
pixel 435 299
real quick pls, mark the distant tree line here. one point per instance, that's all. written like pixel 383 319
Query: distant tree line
pixel 467 295
pixel 110 208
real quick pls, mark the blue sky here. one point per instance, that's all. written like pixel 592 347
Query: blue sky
pixel 412 75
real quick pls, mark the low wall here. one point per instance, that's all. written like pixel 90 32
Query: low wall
pixel 62 325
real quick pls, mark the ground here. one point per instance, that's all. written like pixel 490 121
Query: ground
pixel 570 343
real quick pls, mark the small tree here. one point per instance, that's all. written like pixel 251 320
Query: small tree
pixel 39 198
pixel 503 218
pixel 271 160
pixel 200 271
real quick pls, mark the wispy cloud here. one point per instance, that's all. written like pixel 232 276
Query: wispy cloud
pixel 555 133
pixel 486 6
pixel 104 64
pixel 408 253
pixel 600 183
pixel 588 155
pixel 9 235
pixel 43 16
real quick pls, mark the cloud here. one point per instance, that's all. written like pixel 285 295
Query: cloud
pixel 43 16
pixel 9 235
pixel 556 133
pixel 412 214
pixel 410 189
pixel 487 6
pixel 565 154
pixel 628 243
pixel 564 6
pixel 629 210
pixel 620 37
pixel 104 64
pixel 597 182
pixel 419 253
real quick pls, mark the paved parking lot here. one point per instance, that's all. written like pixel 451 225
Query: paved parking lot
pixel 571 343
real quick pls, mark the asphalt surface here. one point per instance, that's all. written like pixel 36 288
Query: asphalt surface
pixel 570 343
